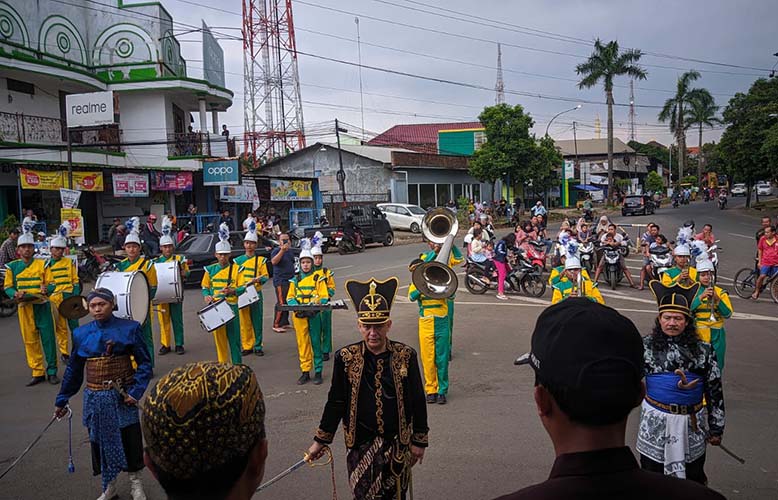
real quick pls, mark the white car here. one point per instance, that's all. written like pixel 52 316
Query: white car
pixel 764 189
pixel 403 215
pixel 738 190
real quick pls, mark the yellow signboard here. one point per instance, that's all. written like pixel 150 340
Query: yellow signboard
pixel 288 190
pixel 73 217
pixel 53 181
pixel 86 181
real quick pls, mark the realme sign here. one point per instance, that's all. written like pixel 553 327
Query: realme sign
pixel 88 110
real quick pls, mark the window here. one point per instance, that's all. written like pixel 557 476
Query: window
pixel 416 211
pixel 479 138
pixel 413 194
pixel 443 194
pixel 477 192
pixel 427 195
pixel 403 211
pixel 457 191
pixel 19 86
pixel 197 243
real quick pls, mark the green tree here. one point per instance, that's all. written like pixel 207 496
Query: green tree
pixel 675 111
pixel 702 113
pixel 750 142
pixel 654 183
pixel 542 170
pixel 606 63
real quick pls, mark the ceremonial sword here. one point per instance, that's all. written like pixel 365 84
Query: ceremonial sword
pixel 731 454
pixel 305 460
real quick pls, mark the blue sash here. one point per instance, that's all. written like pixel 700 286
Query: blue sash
pixel 663 387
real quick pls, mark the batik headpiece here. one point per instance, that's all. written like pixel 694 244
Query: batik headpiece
pixel 201 416
pixel 372 299
pixel 167 228
pixel 674 298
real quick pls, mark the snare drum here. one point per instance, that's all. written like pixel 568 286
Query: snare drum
pixel 248 297
pixel 131 293
pixel 215 315
pixel 169 286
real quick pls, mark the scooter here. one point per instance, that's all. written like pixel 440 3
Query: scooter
pixel 675 202
pixel 588 215
pixel 346 244
pixel 92 264
pixel 521 278
pixel 587 257
pixel 661 260
pixel 8 305
pixel 613 272
pixel 536 255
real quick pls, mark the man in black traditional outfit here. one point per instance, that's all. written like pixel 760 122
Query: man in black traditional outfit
pixel 378 393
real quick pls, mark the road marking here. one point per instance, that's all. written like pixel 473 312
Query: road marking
pixel 741 236
pixel 338 268
pixel 753 317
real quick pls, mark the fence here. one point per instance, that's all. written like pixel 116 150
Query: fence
pixel 30 129
pixel 200 144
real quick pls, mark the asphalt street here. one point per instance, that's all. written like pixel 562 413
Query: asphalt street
pixel 485 442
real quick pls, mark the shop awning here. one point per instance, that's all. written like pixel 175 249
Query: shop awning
pixel 586 187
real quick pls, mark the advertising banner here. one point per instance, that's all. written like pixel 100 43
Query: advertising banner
pixel 244 193
pixel 37 179
pixel 89 110
pixel 69 197
pixel 285 190
pixel 171 181
pixel 130 185
pixel 73 217
pixel 221 173
pixel 86 181
pixel 213 58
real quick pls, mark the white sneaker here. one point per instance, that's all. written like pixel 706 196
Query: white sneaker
pixel 136 487
pixel 501 297
pixel 109 492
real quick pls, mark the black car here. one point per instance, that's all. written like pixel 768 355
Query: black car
pixel 199 249
pixel 637 204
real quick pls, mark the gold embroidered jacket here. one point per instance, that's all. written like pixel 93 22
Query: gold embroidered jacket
pixel 375 395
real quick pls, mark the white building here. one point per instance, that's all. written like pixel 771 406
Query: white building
pixel 49 49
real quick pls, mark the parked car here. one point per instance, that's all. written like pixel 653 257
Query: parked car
pixel 637 204
pixel 739 190
pixel 403 216
pixel 198 250
pixel 764 189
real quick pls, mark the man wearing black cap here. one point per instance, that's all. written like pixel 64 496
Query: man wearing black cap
pixel 377 392
pixel 586 384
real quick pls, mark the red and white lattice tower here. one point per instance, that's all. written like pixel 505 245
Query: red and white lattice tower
pixel 273 112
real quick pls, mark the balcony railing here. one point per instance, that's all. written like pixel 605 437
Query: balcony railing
pixel 30 129
pixel 199 144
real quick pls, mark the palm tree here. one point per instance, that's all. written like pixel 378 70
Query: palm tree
pixel 702 113
pixel 606 63
pixel 674 111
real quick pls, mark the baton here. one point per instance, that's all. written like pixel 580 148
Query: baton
pixel 731 454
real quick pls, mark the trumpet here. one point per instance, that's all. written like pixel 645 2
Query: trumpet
pixel 712 303
pixel 580 283
pixel 436 279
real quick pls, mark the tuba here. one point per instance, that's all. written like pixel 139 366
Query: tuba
pixel 436 279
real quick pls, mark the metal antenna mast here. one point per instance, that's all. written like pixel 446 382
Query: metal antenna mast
pixel 273 112
pixel 499 87
pixel 631 110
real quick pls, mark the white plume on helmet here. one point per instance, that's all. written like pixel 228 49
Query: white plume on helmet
pixel 26 238
pixel 167 228
pixel 133 230
pixel 223 246
pixel 250 225
pixel 316 243
pixel 61 240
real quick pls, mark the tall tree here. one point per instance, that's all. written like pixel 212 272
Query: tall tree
pixel 675 112
pixel 606 63
pixel 701 113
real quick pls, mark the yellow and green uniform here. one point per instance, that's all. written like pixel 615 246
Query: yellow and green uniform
pixel 172 313
pixel 556 274
pixel 712 331
pixel 227 337
pixel 670 277
pixel 310 288
pixel 35 321
pixel 326 316
pixel 66 283
pixel 145 266
pixel 434 340
pixel 251 316
pixel 563 287
pixel 454 259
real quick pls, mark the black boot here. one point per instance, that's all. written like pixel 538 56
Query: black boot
pixel 259 352
pixel 180 349
pixel 442 399
pixel 163 350
pixel 325 356
pixel 53 379
pixel 432 399
pixel 35 381
pixel 304 378
pixel 317 380
pixel 246 352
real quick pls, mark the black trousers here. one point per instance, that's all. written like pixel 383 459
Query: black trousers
pixel 694 470
pixel 282 317
pixel 132 442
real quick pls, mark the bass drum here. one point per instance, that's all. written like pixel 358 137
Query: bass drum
pixel 169 286
pixel 131 292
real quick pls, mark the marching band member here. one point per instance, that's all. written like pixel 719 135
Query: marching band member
pixel 254 274
pixel 224 280
pixel 680 369
pixel 329 276
pixel 711 306
pixel 134 262
pixel 172 313
pixel 65 275
pixel 377 393
pixel 104 347
pixel 454 259
pixel 434 341
pixel 25 276
pixel 308 287
pixel 571 248
pixel 681 273
pixel 573 283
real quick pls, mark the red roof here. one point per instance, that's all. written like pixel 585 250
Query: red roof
pixel 422 137
pixel 693 150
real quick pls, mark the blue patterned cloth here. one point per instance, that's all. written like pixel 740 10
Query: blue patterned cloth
pixel 663 387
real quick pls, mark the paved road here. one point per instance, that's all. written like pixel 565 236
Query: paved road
pixel 487 441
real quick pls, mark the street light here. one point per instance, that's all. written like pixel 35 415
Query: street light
pixel 560 113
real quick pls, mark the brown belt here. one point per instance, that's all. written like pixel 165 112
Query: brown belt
pixel 676 409
pixel 102 372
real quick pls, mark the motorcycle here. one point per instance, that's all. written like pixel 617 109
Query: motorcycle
pixel 536 255
pixel 661 260
pixel 8 305
pixel 624 249
pixel 92 264
pixel 722 202
pixel 613 272
pixel 705 195
pixel 520 278
pixel 588 215
pixel 346 244
pixel 587 257
pixel 675 202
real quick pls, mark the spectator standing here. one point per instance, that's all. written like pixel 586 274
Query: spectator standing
pixel 112 230
pixel 225 132
pixel 282 260
pixel 150 236
pixel 226 218
pixel 8 248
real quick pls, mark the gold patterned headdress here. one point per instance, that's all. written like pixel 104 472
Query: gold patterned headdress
pixel 372 299
pixel 674 298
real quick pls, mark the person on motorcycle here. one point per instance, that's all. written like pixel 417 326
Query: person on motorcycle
pixel 588 208
pixel 351 230
pixel 602 226
pixel 649 237
pixel 613 239
pixel 567 285
pixel 723 197
pixel 660 243
pixel 681 273
pixel 479 253
pixel 706 235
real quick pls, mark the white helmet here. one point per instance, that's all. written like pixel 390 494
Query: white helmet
pixel 166 240
pixel 316 251
pixel 306 254
pixel 132 238
pixel 251 236
pixel 682 250
pixel 572 263
pixel 133 230
pixel 705 265
pixel 223 247
pixel 25 239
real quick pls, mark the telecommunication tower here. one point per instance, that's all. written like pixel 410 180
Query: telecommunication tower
pixel 273 112
pixel 499 87
pixel 631 110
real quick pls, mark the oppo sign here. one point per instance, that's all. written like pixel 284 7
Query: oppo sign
pixel 221 173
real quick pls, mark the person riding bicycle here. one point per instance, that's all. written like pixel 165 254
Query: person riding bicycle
pixel 767 254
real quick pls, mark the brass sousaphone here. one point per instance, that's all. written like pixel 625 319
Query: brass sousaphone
pixel 436 279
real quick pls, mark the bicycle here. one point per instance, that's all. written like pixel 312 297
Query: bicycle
pixel 745 282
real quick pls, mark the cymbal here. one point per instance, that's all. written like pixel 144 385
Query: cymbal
pixel 33 298
pixel 74 307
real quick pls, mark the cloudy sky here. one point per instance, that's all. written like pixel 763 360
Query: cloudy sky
pixel 541 44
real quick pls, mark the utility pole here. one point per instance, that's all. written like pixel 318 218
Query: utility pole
pixel 499 87
pixel 361 98
pixel 575 145
pixel 631 110
pixel 341 176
